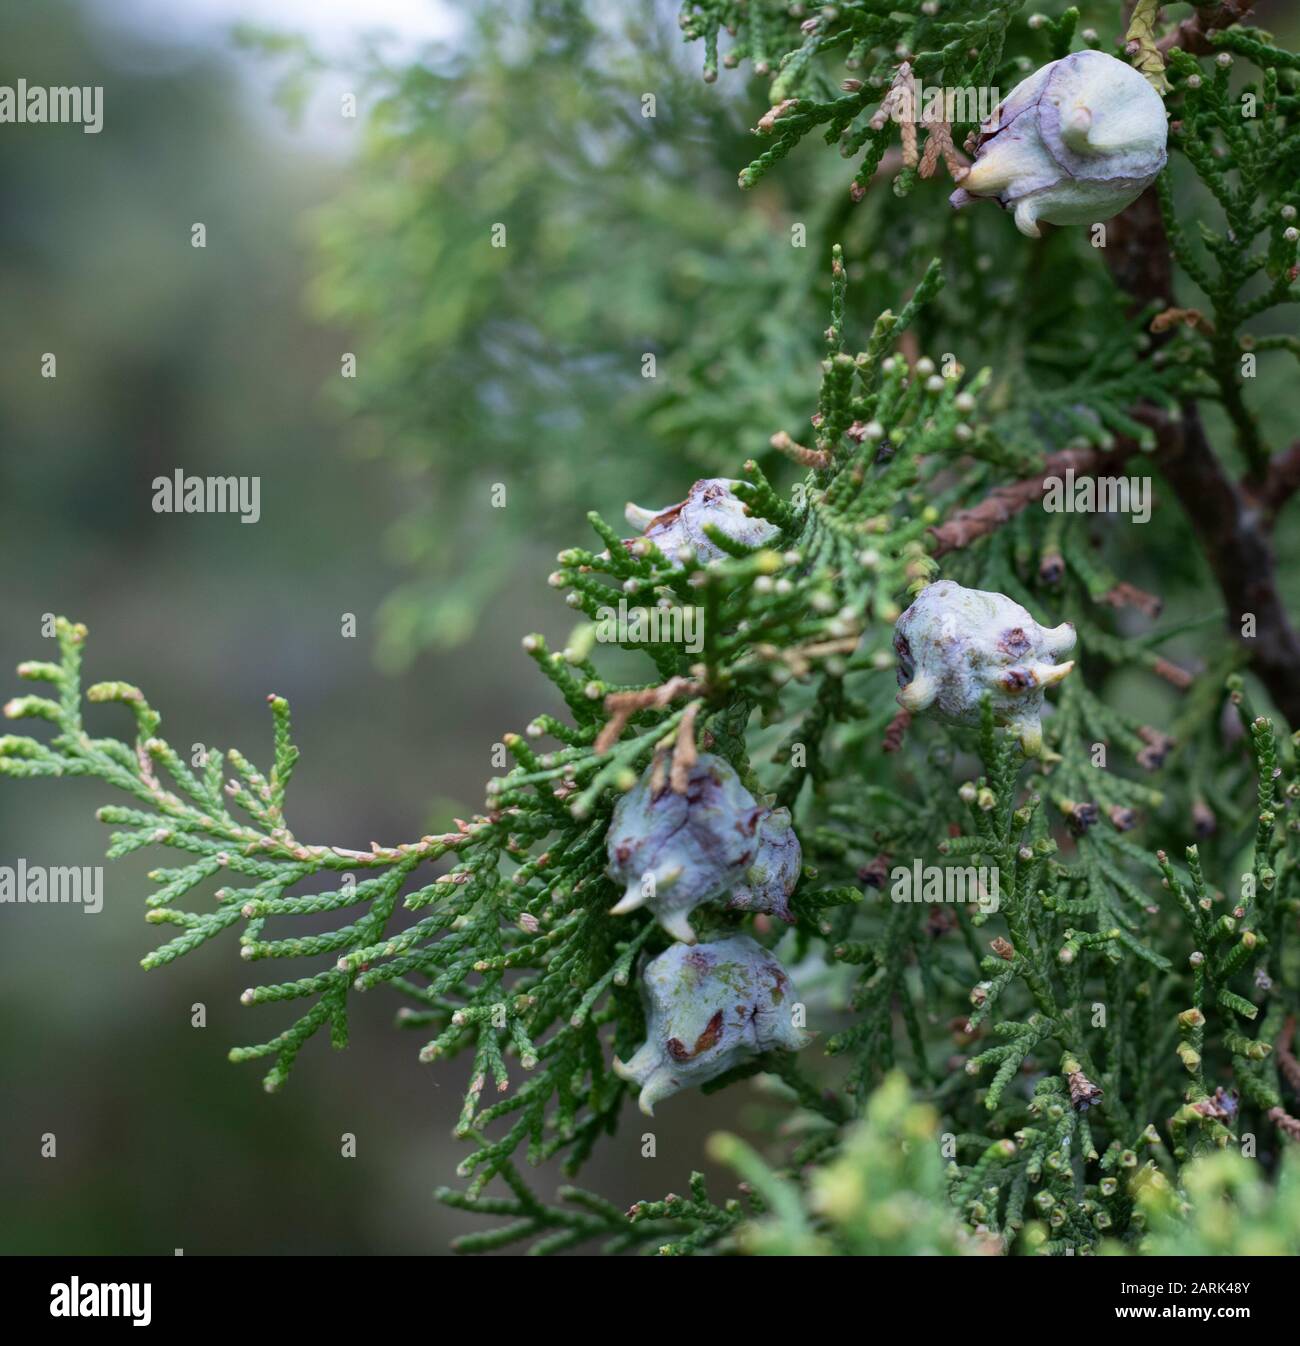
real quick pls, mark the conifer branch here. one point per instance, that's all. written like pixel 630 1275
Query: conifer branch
pixel 1068 1127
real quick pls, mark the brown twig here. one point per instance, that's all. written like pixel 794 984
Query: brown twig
pixel 1000 506
pixel 1288 1125
pixel 1283 479
pixel 1236 538
pixel 1232 524
pixel 1192 34
pixel 1126 595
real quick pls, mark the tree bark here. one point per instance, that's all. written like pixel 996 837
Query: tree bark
pixel 1236 536
pixel 1232 523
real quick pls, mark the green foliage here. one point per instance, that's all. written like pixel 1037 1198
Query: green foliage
pixel 883 1193
pixel 1222 1207
pixel 512 349
pixel 962 46
pixel 512 954
pixel 192 813
pixel 1250 164
pixel 1077 1053
pixel 513 942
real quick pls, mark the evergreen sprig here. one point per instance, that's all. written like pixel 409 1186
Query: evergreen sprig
pixel 511 954
pixel 1244 145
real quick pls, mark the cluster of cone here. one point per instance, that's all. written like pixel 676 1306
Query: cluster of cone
pixel 709 1007
pixel 712 842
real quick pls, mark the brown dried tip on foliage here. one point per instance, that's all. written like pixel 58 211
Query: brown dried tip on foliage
pixel 1178 677
pixel 684 754
pixel 896 731
pixel 1204 823
pixel 1182 317
pixel 621 706
pixel 875 871
pixel 806 457
pixel 1051 568
pixel 1083 1093
pixel 1079 817
pixel 1124 819
pixel 1221 1107
pixel 767 122
pixel 939 921
pixel 963 1032
pixel 1003 948
pixel 1126 595
pixel 1159 746
pixel 658 773
pixel 938 145
pixel 899 98
pixel 984 1242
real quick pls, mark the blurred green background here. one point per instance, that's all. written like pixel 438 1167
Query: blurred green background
pixel 626 237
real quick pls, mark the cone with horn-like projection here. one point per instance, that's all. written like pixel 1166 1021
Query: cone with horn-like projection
pixel 710 1008
pixel 956 646
pixel 681 528
pixel 672 851
pixel 1075 143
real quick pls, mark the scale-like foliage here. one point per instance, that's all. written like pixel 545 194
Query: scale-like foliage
pixel 1076 1047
